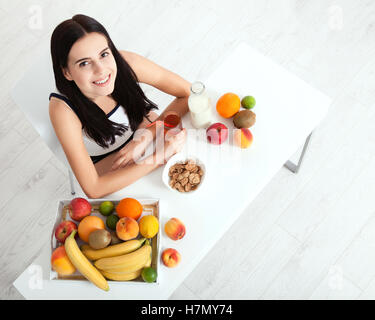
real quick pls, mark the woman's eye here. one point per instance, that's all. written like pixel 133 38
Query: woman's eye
pixel 82 64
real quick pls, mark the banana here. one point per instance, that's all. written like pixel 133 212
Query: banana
pixel 148 262
pixel 82 264
pixel 126 263
pixel 112 251
pixel 121 276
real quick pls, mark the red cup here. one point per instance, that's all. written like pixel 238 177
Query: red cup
pixel 172 123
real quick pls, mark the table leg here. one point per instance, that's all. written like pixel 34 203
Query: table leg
pixel 292 166
pixel 71 182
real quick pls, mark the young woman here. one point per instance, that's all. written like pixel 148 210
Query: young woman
pixel 100 105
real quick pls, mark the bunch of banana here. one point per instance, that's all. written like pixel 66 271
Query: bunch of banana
pixel 127 266
pixel 125 276
pixel 112 251
pixel 82 264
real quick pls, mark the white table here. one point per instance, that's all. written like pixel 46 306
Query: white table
pixel 287 111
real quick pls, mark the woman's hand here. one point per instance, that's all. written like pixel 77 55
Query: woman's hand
pixel 172 145
pixel 134 150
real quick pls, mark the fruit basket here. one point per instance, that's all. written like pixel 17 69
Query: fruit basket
pixel 150 206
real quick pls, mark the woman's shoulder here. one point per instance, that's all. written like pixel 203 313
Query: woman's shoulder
pixel 60 100
pixel 129 56
pixel 132 59
pixel 60 110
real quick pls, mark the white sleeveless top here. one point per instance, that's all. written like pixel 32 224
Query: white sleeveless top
pixel 95 151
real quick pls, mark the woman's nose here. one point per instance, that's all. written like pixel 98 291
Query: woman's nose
pixel 98 68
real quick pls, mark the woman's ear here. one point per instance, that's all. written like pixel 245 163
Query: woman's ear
pixel 66 74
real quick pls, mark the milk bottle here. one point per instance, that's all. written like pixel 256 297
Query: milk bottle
pixel 199 106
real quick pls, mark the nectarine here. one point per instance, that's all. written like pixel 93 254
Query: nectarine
pixel 61 263
pixel 171 257
pixel 243 138
pixel 174 229
pixel 127 228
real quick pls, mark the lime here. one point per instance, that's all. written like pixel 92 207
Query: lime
pixel 149 274
pixel 248 102
pixel 106 208
pixel 112 221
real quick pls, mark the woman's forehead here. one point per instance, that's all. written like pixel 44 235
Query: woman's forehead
pixel 87 47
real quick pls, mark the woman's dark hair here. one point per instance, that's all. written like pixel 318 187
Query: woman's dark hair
pixel 127 91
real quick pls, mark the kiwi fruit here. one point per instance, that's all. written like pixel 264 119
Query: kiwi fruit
pixel 115 239
pixel 99 239
pixel 244 119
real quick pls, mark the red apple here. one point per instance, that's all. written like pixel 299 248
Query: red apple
pixel 171 257
pixel 79 208
pixel 217 133
pixel 64 229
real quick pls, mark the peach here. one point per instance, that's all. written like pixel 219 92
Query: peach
pixel 127 228
pixel 243 138
pixel 174 229
pixel 61 263
pixel 171 257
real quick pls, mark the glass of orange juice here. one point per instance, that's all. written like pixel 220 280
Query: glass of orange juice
pixel 172 122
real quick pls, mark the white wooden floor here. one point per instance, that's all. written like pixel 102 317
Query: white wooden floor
pixel 306 236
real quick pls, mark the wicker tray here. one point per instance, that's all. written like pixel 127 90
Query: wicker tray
pixel 150 206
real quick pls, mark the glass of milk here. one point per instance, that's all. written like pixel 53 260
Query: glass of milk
pixel 199 106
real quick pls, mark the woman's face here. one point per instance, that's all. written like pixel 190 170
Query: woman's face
pixel 90 60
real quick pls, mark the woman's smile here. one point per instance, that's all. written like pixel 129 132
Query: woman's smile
pixel 103 82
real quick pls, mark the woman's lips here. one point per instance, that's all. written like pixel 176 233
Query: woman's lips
pixel 105 83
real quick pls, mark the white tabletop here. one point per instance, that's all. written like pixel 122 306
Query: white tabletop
pixel 287 110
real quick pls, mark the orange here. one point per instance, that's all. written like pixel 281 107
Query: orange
pixel 228 105
pixel 129 207
pixel 88 225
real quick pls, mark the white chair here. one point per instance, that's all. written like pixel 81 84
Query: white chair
pixel 31 94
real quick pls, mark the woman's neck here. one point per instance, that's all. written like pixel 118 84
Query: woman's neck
pixel 106 103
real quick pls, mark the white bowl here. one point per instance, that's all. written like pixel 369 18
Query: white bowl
pixel 180 157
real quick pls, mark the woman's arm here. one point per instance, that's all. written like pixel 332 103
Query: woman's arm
pixel 68 129
pixel 162 79
pixel 116 180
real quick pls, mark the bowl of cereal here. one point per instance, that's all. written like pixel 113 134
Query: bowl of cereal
pixel 184 174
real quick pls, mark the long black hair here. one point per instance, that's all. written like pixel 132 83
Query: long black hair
pixel 127 91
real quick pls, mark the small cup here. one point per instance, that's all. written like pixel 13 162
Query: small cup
pixel 172 123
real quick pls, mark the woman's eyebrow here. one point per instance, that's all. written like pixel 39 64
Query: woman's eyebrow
pixel 89 58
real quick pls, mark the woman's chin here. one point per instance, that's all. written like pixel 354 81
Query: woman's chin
pixel 105 91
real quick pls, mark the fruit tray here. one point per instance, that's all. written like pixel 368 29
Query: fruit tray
pixel 150 206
